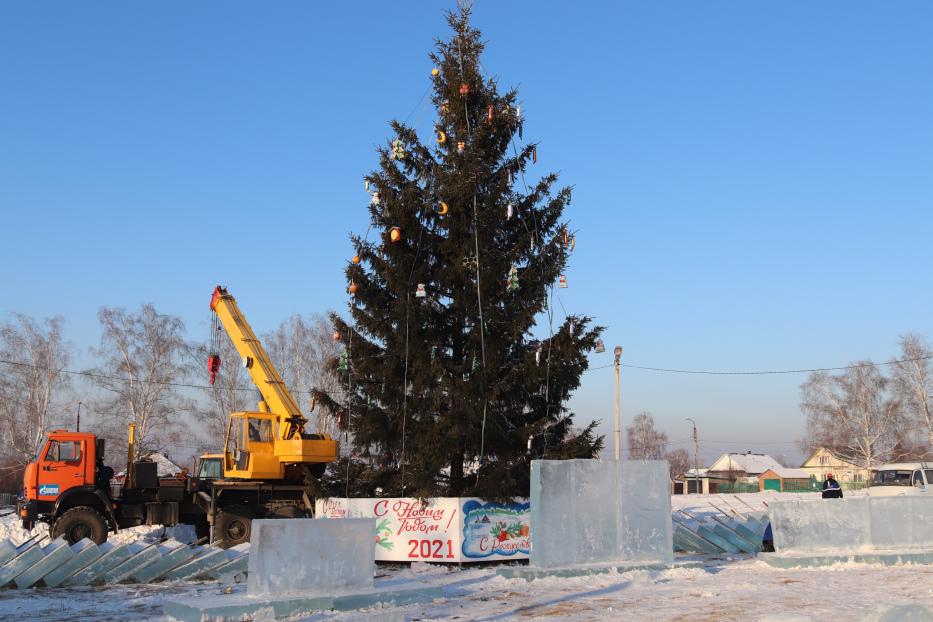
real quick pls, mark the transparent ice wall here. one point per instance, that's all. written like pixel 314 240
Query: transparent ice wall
pixel 587 511
pixel 865 523
pixel 310 556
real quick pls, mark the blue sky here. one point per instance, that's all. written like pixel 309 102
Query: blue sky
pixel 752 181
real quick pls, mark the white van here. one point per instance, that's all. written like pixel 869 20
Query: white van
pixel 902 478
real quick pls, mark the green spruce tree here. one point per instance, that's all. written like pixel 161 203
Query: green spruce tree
pixel 448 393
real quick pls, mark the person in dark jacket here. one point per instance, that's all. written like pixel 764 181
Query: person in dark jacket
pixel 831 488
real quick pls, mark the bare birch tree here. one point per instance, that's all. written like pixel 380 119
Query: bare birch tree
pixel 142 356
pixel 678 461
pixel 31 386
pixel 913 384
pixel 644 441
pixel 852 413
pixel 300 349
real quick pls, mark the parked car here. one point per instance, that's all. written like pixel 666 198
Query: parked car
pixel 902 478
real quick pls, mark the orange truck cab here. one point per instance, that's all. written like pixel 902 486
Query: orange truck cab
pixel 69 474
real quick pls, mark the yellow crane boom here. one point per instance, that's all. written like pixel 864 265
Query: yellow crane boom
pixel 269 443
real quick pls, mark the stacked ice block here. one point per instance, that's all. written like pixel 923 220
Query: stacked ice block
pixel 592 512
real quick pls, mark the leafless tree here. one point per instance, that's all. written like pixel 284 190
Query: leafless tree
pixel 679 462
pixel 913 384
pixel 852 413
pixel 644 441
pixel 32 388
pixel 142 357
pixel 300 348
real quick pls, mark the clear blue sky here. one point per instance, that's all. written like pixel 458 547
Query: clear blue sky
pixel 753 180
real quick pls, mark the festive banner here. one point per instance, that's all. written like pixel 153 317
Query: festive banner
pixel 441 529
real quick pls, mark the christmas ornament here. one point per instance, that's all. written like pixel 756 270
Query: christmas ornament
pixel 461 146
pixel 352 288
pixel 510 177
pixel 441 137
pixel 600 346
pixel 512 280
pixel 534 155
pixel 342 365
pixel 366 185
pixel 508 212
pixel 375 200
pixel 464 89
pixel 442 208
pixel 336 335
pixel 419 292
pixel 518 112
pixel 435 72
pixel 395 234
pixel 356 259
pixel 538 355
pixel 489 114
pixel 445 107
pixel 562 281
pixel 563 235
pixel 573 242
pixel 398 151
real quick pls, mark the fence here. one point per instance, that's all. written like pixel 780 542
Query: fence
pixel 7 498
pixel 734 487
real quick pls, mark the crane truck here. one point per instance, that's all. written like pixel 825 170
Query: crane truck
pixel 266 470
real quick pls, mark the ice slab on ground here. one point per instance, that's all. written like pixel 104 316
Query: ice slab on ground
pixel 27 555
pixel 205 559
pixel 267 607
pixel 901 522
pixel 110 555
pixel 863 524
pixel 7 551
pixel 172 553
pixel 591 512
pixel 821 524
pixel 311 556
pixel 84 552
pixel 54 554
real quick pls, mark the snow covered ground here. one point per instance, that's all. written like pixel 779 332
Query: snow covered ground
pixel 724 588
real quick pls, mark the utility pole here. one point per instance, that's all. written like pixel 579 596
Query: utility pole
pixel 78 422
pixel 618 421
pixel 696 463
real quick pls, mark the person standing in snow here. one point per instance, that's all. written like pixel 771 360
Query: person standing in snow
pixel 831 488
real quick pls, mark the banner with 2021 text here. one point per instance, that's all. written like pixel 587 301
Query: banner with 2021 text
pixel 440 529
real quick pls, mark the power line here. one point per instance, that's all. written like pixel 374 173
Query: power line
pixel 765 372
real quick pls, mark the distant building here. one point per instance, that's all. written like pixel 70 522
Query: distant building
pixel 824 461
pixel 784 479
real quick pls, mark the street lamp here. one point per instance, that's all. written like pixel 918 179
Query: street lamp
pixel 696 464
pixel 618 430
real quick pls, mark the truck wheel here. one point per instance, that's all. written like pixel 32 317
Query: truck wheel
pixel 232 526
pixel 79 523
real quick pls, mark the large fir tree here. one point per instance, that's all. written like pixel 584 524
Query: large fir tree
pixel 449 393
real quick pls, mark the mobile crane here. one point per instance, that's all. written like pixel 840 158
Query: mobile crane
pixel 266 470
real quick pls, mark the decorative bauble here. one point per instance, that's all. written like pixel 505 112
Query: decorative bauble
pixel 445 107
pixel 356 259
pixel 461 146
pixel 442 208
pixel 464 89
pixel 336 335
pixel 398 151
pixel 600 346
pixel 562 281
pixel 564 236
pixel 419 291
pixel 435 72
pixel 366 185
pixel 395 234
pixel 508 211
pixel 375 200
pixel 534 155
pixel 441 137
pixel 489 114
pixel 512 282
pixel 352 288
pixel 538 355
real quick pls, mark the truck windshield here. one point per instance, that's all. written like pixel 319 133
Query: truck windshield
pixel 210 469
pixel 892 478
